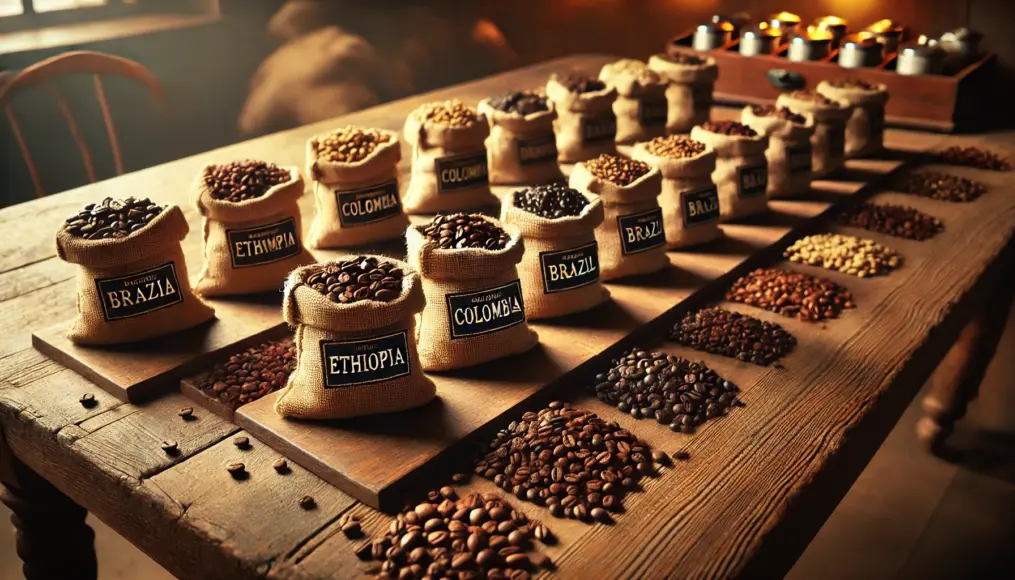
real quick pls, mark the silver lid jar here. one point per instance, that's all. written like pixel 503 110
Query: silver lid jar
pixel 786 22
pixel 919 59
pixel 759 40
pixel 811 45
pixel 838 28
pixel 888 33
pixel 710 36
pixel 860 51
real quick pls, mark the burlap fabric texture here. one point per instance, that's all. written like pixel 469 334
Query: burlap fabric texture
pixel 740 164
pixel 521 148
pixel 789 153
pixel 828 144
pixel 584 122
pixel 641 107
pixel 689 94
pixel 865 129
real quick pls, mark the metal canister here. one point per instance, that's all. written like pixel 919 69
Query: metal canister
pixel 962 41
pixel 889 33
pixel 758 40
pixel 710 36
pixel 838 27
pixel 808 46
pixel 860 50
pixel 726 23
pixel 787 22
pixel 919 59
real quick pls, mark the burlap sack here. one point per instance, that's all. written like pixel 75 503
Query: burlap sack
pixel 828 144
pixel 641 108
pixel 560 268
pixel 632 237
pixel 353 359
pixel 475 310
pixel 521 148
pixel 741 172
pixel 450 171
pixel 586 126
pixel 689 199
pixel 689 95
pixel 789 154
pixel 865 129
pixel 133 288
pixel 250 246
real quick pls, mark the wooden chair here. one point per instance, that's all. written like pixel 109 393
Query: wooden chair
pixel 77 62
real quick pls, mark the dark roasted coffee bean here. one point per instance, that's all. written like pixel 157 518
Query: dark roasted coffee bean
pixel 940 186
pixel 237 470
pixel 348 144
pixel 894 220
pixel 732 334
pixel 580 84
pixel 520 102
pixel 615 169
pixel 788 293
pixel 88 401
pixel 251 374
pixel 354 279
pixel 186 413
pixel 242 442
pixel 974 157
pixel 280 466
pixel 779 113
pixel 112 218
pixel 551 201
pixel 452 113
pixel 242 180
pixel 459 230
pixel 734 128
pixel 307 502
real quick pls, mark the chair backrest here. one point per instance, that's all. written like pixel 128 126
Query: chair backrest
pixel 70 63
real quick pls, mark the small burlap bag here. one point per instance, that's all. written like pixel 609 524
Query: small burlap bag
pixel 689 199
pixel 641 108
pixel 689 95
pixel 741 172
pixel 250 246
pixel 521 148
pixel 789 154
pixel 828 144
pixel 632 237
pixel 586 126
pixel 356 202
pixel 560 268
pixel 133 288
pixel 353 359
pixel 475 310
pixel 450 170
pixel 865 129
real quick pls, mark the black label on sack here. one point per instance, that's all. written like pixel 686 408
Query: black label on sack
pixel 263 244
pixel 836 140
pixel 541 149
pixel 652 111
pixel 700 205
pixel 752 180
pixel 370 204
pixel 798 159
pixel 877 120
pixel 139 293
pixel 569 269
pixel 462 171
pixel 702 96
pixel 360 362
pixel 641 232
pixel 601 128
pixel 485 311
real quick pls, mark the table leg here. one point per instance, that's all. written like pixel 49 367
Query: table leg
pixel 53 540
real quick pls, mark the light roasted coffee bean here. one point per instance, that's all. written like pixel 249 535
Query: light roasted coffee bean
pixel 616 169
pixel 348 144
pixel 675 147
pixel 732 334
pixel 355 279
pixel 848 254
pixel 791 294
pixel 112 218
pixel 580 84
pixel 242 180
pixel 459 230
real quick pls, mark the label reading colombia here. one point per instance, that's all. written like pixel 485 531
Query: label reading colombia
pixel 462 171
pixel 700 205
pixel 370 360
pixel 370 204
pixel 541 149
pixel 485 311
pixel 602 128
pixel 798 159
pixel 752 180
pixel 653 112
pixel 569 269
pixel 641 232
pixel 139 293
pixel 263 244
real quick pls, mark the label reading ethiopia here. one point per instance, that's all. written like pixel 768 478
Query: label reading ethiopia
pixel 569 269
pixel 263 244
pixel 139 293
pixel 370 360
pixel 485 311
pixel 368 205
pixel 462 171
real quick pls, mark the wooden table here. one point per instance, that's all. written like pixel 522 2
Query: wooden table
pixel 758 487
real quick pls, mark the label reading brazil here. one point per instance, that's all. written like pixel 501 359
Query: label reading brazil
pixel 700 205
pixel 263 244
pixel 462 171
pixel 641 232
pixel 601 128
pixel 569 269
pixel 752 180
pixel 540 149
pixel 368 205
pixel 369 360
pixel 798 159
pixel 653 112
pixel 139 293
pixel 485 311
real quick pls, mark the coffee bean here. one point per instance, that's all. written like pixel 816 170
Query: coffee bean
pixel 551 201
pixel 848 254
pixel 280 466
pixel 237 470
pixel 307 502
pixel 448 492
pixel 348 144
pixel 352 529
pixel 681 455
pixel 675 147
pixel 615 169
pixel 186 413
pixel 845 83
pixel 517 560
pixel 779 113
pixel 112 218
pixel 247 376
pixel 242 180
pixel 940 186
pixel 812 96
pixel 734 128
pixel 791 294
pixel 732 334
pixel 520 102
pixel 460 478
pixel 170 447
pixel 974 157
pixel 894 220
pixel 241 442
pixel 577 83
pixel 88 401
pixel 600 515
pixel 461 230
pixel 356 278
pixel 453 113
pixel 685 58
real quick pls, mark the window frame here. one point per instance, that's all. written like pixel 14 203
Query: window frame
pixel 29 19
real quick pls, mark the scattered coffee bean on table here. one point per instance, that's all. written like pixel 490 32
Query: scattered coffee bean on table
pixel 735 128
pixel 806 297
pixel 569 460
pixel 675 147
pixel 348 144
pixel 615 169
pixel 811 96
pixel 974 157
pixel 670 389
pixel 112 218
pixel 683 58
pixel 940 186
pixel 251 374
pixel 848 254
pixel 551 201
pixel 733 334
pixel 778 112
pixel 894 220
pixel 460 230
pixel 355 279
pixel 243 180
pixel 88 401
pixel 580 84
pixel 453 113
pixel 520 102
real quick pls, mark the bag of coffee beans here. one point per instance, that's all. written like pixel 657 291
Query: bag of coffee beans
pixel 355 176
pixel 585 125
pixel 355 329
pixel 828 145
pixel 475 310
pixel 450 170
pixel 521 147
pixel 865 129
pixel 689 96
pixel 560 268
pixel 132 277
pixel 640 108
pixel 789 154
pixel 689 199
pixel 251 227
pixel 632 238
pixel 741 169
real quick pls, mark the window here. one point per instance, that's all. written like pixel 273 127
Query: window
pixel 27 14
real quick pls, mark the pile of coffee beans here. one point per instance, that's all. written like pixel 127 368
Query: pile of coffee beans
pixel 675 147
pixel 551 201
pixel 732 334
pixel 243 180
pixel 348 144
pixel 812 96
pixel 848 254
pixel 251 374
pixel 672 390
pixel 684 58
pixel 974 157
pixel 940 186
pixel 477 536
pixel 853 84
pixel 615 169
pixel 355 279
pixel 453 113
pixel 806 297
pixel 778 112
pixel 112 218
pixel 735 128
pixel 465 230
pixel 576 83
pixel 895 220
pixel 520 102
pixel 568 459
